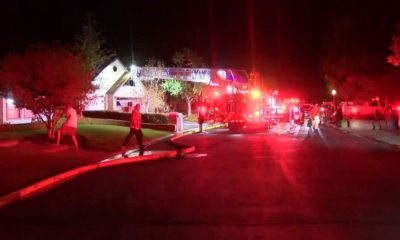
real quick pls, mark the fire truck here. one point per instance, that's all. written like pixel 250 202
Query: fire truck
pixel 242 107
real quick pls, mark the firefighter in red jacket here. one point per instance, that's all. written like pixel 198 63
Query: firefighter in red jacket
pixel 135 129
pixel 202 111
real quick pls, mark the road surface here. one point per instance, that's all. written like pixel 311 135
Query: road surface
pixel 249 185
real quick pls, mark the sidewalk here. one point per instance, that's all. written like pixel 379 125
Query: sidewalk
pixel 391 137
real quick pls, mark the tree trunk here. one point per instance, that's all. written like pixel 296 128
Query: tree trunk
pixel 51 129
pixel 147 103
pixel 189 106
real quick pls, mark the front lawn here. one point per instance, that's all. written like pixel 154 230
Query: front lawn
pixel 31 161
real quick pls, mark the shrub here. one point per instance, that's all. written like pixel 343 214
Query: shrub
pixel 146 117
pixel 192 118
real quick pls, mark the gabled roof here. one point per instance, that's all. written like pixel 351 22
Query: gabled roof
pixel 106 64
pixel 120 82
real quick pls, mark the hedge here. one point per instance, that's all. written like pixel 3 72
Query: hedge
pixel 155 126
pixel 40 125
pixel 155 118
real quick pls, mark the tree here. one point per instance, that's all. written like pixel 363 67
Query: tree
pixel 154 94
pixel 45 78
pixel 353 62
pixel 173 87
pixel 189 91
pixel 89 44
pixel 394 58
pixel 187 58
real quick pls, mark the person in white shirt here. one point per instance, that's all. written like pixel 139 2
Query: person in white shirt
pixel 69 126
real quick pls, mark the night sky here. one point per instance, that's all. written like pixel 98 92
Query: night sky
pixel 284 40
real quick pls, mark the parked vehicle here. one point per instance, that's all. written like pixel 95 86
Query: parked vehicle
pixel 305 110
pixel 363 110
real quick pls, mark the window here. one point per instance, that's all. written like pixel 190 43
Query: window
pixel 130 82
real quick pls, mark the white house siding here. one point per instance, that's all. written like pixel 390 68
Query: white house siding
pixel 18 115
pixel 104 81
pixel 2 110
pixel 128 95
pixel 96 103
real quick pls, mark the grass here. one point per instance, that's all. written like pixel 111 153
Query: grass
pixel 31 161
pixel 110 137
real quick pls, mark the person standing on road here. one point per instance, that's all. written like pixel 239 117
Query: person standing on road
pixel 339 116
pixel 135 129
pixel 69 126
pixel 376 119
pixel 201 115
pixel 315 117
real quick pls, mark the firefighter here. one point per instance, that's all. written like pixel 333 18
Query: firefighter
pixel 201 114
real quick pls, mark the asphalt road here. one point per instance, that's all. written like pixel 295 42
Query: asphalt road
pixel 326 185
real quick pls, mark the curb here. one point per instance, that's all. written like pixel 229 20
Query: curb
pixel 49 183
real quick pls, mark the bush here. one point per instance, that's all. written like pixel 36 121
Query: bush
pixel 146 117
pixel 192 118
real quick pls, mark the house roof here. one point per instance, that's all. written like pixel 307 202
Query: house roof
pixel 121 81
pixel 108 63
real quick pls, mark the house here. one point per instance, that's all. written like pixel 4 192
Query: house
pixel 116 91
pixel 9 114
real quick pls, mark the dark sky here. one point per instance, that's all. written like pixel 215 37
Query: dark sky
pixel 282 39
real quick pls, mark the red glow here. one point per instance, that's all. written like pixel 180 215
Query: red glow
pixel 229 89
pixel 216 109
pixel 398 108
pixel 354 110
pixel 216 93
